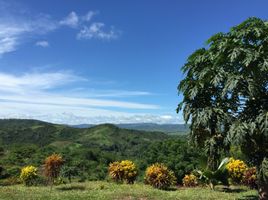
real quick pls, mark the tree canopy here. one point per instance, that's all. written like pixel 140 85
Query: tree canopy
pixel 226 91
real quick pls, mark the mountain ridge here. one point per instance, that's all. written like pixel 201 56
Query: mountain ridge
pixel 166 128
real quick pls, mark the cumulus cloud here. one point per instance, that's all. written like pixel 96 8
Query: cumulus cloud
pixel 42 43
pixel 97 30
pixel 71 20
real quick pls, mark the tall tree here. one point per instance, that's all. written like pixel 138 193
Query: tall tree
pixel 226 91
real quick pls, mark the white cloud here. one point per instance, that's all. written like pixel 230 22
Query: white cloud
pixel 29 82
pixel 77 115
pixel 13 32
pixel 9 36
pixel 71 20
pixel 7 44
pixel 16 29
pixel 166 117
pixel 35 88
pixel 118 93
pixel 89 15
pixel 97 30
pixel 48 98
pixel 33 96
pixel 42 43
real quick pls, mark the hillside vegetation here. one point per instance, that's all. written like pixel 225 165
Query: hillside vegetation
pixel 89 150
pixel 172 129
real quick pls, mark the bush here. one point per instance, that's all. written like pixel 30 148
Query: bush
pixel 115 171
pixel 69 172
pixel 122 171
pixel 13 171
pixel 41 181
pixel 28 175
pixel 53 166
pixel 236 169
pixel 250 178
pixel 159 176
pixel 190 181
pixel 10 181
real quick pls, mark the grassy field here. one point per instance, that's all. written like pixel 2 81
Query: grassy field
pixel 104 191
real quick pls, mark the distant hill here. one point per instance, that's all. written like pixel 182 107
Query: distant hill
pixel 16 131
pixel 88 150
pixel 48 137
pixel 174 129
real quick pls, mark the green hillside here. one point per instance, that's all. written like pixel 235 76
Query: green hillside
pixel 17 131
pixel 89 150
pixel 171 129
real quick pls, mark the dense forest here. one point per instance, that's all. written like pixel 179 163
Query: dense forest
pixel 88 151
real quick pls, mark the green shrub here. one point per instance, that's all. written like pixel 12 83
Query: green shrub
pixel 69 172
pixel 190 181
pixel 10 181
pixel 28 175
pixel 13 171
pixel 41 181
pixel 212 178
pixel 159 176
pixel 122 171
pixel 236 169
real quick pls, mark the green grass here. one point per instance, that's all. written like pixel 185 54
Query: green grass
pixel 100 190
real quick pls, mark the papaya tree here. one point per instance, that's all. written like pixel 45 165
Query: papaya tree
pixel 226 93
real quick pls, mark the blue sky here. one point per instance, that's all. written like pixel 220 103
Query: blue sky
pixel 104 61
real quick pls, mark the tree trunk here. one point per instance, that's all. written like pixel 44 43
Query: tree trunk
pixel 263 191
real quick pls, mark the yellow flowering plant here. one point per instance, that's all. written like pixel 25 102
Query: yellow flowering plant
pixel 236 169
pixel 159 176
pixel 28 175
pixel 190 180
pixel 122 171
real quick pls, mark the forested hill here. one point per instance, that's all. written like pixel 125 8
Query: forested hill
pixel 90 150
pixel 17 131
pixel 171 129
